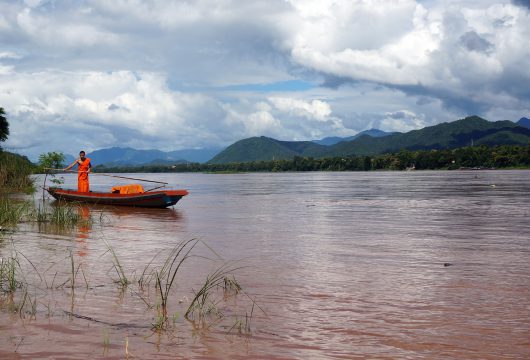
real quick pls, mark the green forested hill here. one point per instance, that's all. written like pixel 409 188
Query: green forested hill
pixel 472 130
pixel 264 148
pixel 14 172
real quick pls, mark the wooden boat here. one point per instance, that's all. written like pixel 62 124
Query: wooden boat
pixel 151 199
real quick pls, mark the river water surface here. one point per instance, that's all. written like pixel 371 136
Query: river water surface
pixel 364 265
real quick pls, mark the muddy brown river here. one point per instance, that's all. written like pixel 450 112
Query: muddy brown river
pixel 379 265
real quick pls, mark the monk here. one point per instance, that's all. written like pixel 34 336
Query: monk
pixel 83 169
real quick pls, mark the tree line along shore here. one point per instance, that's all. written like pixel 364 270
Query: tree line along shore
pixel 15 169
pixel 472 157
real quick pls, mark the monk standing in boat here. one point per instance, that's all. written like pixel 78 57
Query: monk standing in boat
pixel 83 169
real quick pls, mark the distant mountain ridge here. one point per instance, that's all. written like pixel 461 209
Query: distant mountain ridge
pixel 471 130
pixel 117 156
pixel 335 139
pixel 524 122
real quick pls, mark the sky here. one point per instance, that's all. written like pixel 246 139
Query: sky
pixel 172 74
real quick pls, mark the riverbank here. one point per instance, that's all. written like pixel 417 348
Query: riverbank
pixel 498 157
pixel 15 171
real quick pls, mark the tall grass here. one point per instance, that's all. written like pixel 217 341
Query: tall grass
pixel 14 173
pixel 65 215
pixel 204 301
pixel 123 281
pixel 208 307
pixel 12 212
pixel 165 278
pixel 62 216
pixel 8 274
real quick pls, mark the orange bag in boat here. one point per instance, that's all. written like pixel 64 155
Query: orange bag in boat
pixel 128 189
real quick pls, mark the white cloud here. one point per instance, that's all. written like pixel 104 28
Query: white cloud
pixel 68 33
pixel 262 122
pixel 5 70
pixel 314 110
pixel 73 103
pixel 9 55
pixel 403 121
pixel 95 110
pixel 152 73
pixel 458 49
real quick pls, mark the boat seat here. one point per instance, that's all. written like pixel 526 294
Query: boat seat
pixel 128 189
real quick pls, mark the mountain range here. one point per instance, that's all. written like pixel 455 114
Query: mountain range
pixel 472 130
pixel 524 122
pixel 469 131
pixel 335 139
pixel 117 156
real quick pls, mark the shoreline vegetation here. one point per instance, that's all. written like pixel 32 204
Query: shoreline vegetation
pixel 477 157
pixel 15 171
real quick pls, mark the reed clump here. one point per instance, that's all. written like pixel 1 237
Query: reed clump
pixel 205 301
pixel 165 279
pixel 209 303
pixel 208 307
pixel 62 215
pixel 65 215
pixel 8 274
pixel 13 212
pixel 12 282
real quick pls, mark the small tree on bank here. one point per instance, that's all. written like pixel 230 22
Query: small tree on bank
pixel 51 160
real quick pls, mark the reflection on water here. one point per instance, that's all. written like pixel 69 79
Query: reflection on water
pixel 83 229
pixel 98 212
pixel 387 265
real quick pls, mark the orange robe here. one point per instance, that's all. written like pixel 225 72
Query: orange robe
pixel 82 175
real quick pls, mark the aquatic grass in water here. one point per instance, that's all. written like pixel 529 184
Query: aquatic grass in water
pixel 231 285
pixel 65 216
pixel 62 216
pixel 243 327
pixel 208 305
pixel 165 278
pixel 8 274
pixel 204 302
pixel 123 281
pixel 41 215
pixel 12 212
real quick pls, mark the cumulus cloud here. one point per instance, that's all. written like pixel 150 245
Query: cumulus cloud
pixel 95 110
pixel 9 55
pixel 402 121
pixel 98 109
pixel 316 109
pixel 162 73
pixel 454 50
